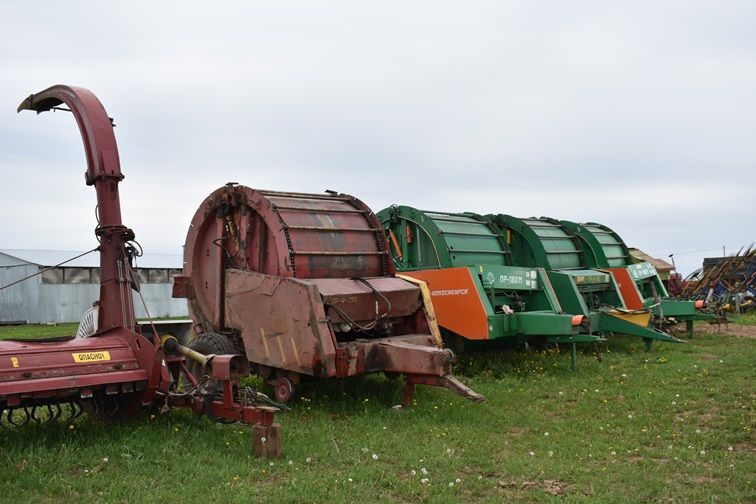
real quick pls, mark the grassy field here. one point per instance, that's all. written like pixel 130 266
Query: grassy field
pixel 672 425
pixel 23 332
pixel 745 319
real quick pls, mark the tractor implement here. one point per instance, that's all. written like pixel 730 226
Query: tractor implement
pixel 480 298
pixel 604 249
pixel 547 243
pixel 303 284
pixel 112 371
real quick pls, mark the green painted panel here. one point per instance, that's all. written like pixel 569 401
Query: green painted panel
pixel 430 239
pixel 509 277
pixel 540 242
pixel 587 277
pixel 640 271
pixel 613 246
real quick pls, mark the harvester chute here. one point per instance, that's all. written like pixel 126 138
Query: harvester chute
pixel 116 371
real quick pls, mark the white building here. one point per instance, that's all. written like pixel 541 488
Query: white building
pixel 64 293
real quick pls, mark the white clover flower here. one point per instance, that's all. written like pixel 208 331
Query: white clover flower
pixel 546 434
pixel 624 375
pixel 551 453
pixel 458 481
pixel 729 448
pixel 263 439
pixel 703 452
pixel 374 456
pixel 424 481
pixel 451 484
pixel 271 464
pixel 424 470
pixel 291 462
pixel 630 417
pixel 349 480
pixel 614 453
pixel 308 459
pixel 531 453
pixel 105 460
pixel 413 472
pixel 698 431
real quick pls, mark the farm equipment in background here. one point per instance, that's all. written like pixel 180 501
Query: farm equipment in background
pixel 727 286
pixel 478 295
pixel 304 285
pixel 547 243
pixel 113 371
pixel 603 249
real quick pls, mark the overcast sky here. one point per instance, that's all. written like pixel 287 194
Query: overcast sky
pixel 640 115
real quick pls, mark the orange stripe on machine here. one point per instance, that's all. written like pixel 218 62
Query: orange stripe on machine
pixel 456 301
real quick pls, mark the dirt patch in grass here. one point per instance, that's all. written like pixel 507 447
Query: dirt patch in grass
pixel 704 479
pixel 708 417
pixel 745 447
pixel 552 487
pixel 730 329
pixel 516 431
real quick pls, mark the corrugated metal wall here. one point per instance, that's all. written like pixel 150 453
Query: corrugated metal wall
pixel 19 303
pixel 36 303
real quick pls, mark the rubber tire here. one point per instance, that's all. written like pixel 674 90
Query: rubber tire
pixel 208 343
pixel 283 389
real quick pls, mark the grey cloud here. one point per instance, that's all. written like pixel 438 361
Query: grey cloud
pixel 641 116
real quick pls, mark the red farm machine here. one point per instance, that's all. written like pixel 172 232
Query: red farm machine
pixel 115 372
pixel 305 286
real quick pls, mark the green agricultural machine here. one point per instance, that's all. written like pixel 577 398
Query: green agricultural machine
pixel 581 289
pixel 478 294
pixel 604 249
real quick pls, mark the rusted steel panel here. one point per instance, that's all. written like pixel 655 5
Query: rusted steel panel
pixel 281 321
pixel 30 367
pixel 280 234
pixel 391 298
pixel 412 353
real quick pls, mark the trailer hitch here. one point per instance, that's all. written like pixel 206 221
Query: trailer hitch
pixel 447 381
pixel 219 396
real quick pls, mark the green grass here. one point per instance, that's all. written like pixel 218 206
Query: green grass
pixel 744 318
pixel 37 331
pixel 672 425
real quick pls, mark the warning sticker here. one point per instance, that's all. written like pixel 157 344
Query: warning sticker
pixel 91 356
